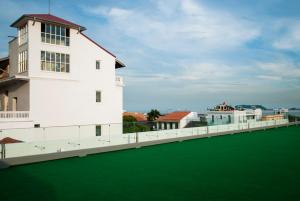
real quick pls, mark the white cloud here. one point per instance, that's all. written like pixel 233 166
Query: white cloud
pixel 290 38
pixel 281 69
pixel 269 77
pixel 190 27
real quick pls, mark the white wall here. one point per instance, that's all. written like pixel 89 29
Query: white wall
pixel 192 116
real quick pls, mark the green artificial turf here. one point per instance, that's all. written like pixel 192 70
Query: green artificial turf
pixel 261 165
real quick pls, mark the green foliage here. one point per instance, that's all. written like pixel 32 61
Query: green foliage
pixel 153 115
pixel 130 125
pixel 129 119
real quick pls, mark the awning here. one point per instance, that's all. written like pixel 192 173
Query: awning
pixel 119 64
pixel 13 80
pixel 8 140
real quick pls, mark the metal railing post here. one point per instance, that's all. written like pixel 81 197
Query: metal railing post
pixel 136 137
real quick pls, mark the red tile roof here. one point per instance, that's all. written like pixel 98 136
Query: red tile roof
pixel 173 116
pixel 8 140
pixel 47 18
pixel 138 116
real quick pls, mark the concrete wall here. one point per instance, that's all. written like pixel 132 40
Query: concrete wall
pixel 13 57
pixel 20 90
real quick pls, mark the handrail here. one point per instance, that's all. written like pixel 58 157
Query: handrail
pixel 14 114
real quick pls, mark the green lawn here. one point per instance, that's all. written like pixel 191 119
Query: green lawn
pixel 262 165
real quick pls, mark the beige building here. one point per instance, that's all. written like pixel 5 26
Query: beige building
pixel 272 117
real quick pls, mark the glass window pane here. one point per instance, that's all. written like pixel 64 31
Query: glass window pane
pixel 52 29
pixel 63 31
pixel 58 30
pixel 67 58
pixel 48 67
pixel 43 55
pixel 67 41
pixel 52 39
pixel 47 38
pixel 52 56
pixel 57 67
pixel 57 40
pixel 63 68
pixel 67 32
pixel 47 56
pixel 47 28
pixel 52 66
pixel 62 58
pixel 57 57
pixel 98 96
pixel 43 37
pixel 62 40
pixel 67 68
pixel 42 65
pixel 43 27
pixel 98 130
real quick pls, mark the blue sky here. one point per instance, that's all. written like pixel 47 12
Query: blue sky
pixel 189 54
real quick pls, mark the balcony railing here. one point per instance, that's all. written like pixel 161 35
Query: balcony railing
pixel 119 81
pixel 13 115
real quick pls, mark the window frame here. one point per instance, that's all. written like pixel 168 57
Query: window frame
pixel 98 64
pixel 98 99
pixel 52 62
pixel 55 34
pixel 23 61
pixel 23 35
pixel 98 130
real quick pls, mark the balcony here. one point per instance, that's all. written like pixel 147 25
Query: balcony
pixel 119 81
pixel 7 116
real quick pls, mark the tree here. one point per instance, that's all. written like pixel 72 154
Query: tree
pixel 130 125
pixel 153 115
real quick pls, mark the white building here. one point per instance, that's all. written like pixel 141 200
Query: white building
pixel 225 114
pixel 55 75
pixel 176 120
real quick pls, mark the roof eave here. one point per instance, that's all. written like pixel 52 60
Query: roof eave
pixel 26 18
pixel 119 64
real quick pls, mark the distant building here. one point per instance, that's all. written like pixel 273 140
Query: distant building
pixel 226 114
pixel 138 116
pixel 176 120
pixel 272 117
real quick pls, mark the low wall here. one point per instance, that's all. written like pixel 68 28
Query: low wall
pixel 127 141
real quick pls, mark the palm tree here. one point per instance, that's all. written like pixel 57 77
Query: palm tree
pixel 153 115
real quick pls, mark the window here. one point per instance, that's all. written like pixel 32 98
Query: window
pixel 56 62
pixel 54 34
pixel 98 96
pixel 22 62
pixel 98 64
pixel 23 35
pixel 98 130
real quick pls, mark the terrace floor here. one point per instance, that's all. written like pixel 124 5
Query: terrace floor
pixel 260 165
